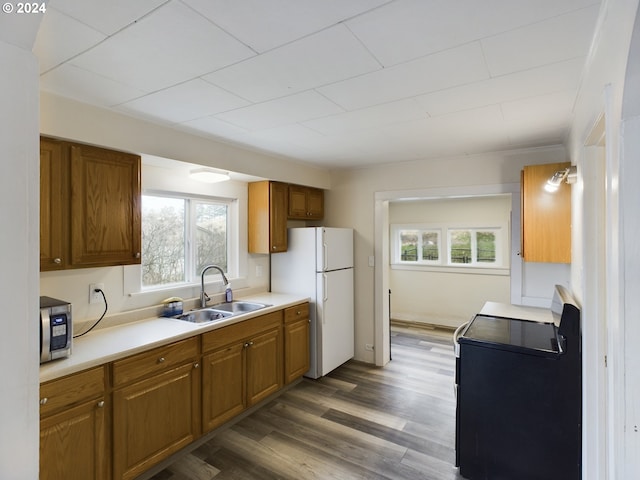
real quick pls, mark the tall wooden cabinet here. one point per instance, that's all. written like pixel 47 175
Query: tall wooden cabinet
pixel 90 206
pixel 546 216
pixel 74 438
pixel 267 217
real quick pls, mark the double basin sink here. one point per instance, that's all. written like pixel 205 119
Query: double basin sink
pixel 220 311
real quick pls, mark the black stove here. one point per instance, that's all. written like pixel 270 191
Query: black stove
pixel 519 397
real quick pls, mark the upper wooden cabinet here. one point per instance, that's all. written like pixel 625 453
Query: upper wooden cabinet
pixel 90 206
pixel 267 217
pixel 546 217
pixel 54 206
pixel 306 203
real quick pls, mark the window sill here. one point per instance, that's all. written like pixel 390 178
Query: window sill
pixel 497 271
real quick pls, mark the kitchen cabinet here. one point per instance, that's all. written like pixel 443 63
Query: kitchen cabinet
pixel 242 365
pixel 156 406
pixel 74 438
pixel 305 203
pixel 267 217
pixel 296 342
pixel 90 206
pixel 54 206
pixel 546 217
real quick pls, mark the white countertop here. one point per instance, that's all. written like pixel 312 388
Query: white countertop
pixel 508 310
pixel 112 343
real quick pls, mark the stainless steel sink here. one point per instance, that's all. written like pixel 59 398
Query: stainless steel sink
pixel 238 307
pixel 204 315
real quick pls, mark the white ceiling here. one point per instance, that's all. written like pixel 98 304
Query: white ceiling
pixel 337 83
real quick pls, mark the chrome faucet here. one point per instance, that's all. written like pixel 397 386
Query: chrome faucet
pixel 204 298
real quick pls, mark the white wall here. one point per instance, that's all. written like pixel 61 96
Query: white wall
pixel 351 202
pixel 19 247
pixel 609 90
pixel 446 297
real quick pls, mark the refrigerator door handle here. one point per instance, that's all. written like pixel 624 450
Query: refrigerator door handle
pixel 325 253
pixel 325 295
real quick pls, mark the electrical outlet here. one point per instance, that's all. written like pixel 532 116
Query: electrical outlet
pixel 368 347
pixel 95 297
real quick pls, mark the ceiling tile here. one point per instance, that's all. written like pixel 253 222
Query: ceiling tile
pixel 61 37
pixel 83 86
pixel 322 58
pixel 295 108
pixel 106 16
pixel 214 126
pixel 186 101
pixel 560 38
pixel 457 66
pixel 169 44
pixel 525 84
pixel 407 29
pixel 266 25
pixel 370 117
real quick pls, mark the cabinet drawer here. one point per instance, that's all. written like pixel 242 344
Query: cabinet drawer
pixel 68 391
pixel 296 312
pixel 239 331
pixel 154 361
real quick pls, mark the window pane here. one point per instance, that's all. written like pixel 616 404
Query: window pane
pixel 409 245
pixel 430 247
pixel 163 223
pixel 211 235
pixel 486 242
pixel 460 246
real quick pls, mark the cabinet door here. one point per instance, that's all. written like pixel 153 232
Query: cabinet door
pixel 54 206
pixel 297 202
pixel 105 207
pixel 264 365
pixel 296 349
pixel 546 217
pixel 223 385
pixel 153 419
pixel 73 444
pixel 315 203
pixel 278 217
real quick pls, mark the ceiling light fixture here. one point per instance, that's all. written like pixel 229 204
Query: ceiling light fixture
pixel 569 174
pixel 208 175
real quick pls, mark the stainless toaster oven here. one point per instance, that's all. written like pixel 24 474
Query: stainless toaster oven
pixel 56 332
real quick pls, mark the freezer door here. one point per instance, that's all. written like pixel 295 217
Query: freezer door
pixel 335 248
pixel 334 319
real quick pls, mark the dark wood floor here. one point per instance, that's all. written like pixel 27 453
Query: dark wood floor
pixel 359 422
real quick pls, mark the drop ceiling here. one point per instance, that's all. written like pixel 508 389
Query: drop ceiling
pixel 333 83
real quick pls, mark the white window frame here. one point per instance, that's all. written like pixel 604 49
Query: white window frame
pixel 132 281
pixel 499 267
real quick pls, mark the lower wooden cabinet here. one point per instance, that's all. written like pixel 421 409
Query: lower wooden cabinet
pixel 74 438
pixel 159 414
pixel 244 366
pixel 296 342
pixel 153 404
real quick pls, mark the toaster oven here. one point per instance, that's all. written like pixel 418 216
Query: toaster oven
pixel 56 332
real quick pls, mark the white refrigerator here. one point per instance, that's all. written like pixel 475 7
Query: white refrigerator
pixel 319 264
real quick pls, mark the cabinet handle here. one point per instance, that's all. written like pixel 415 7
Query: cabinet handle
pixel 101 404
pixel 57 261
pixel 250 343
pixel 43 400
pixel 161 360
pixel 196 365
pixel 137 255
pixel 298 312
pixel 274 247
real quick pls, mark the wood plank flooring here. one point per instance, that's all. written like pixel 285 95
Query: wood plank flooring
pixel 359 422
